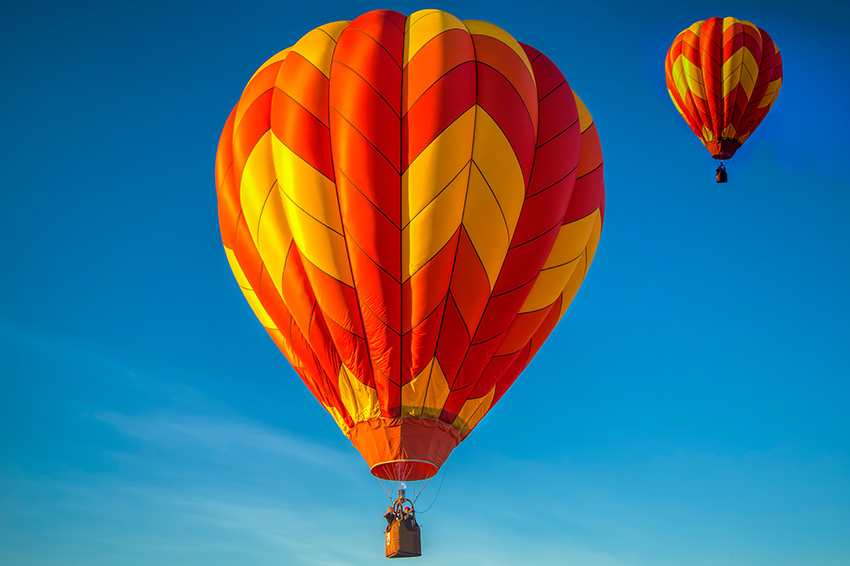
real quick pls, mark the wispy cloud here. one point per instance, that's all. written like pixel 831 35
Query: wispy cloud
pixel 223 434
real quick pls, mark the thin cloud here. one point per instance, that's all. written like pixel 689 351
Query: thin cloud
pixel 221 434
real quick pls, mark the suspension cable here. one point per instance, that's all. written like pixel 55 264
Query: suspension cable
pixel 436 494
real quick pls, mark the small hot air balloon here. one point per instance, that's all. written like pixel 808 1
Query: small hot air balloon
pixel 723 75
pixel 409 205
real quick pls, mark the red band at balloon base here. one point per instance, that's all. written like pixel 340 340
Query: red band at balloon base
pixel 722 149
pixel 404 449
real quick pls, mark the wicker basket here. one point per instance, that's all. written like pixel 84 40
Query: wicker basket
pixel 402 541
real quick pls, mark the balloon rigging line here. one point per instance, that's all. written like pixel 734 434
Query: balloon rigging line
pixel 390 497
pixel 438 491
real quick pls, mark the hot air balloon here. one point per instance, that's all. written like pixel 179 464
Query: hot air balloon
pixel 409 204
pixel 723 75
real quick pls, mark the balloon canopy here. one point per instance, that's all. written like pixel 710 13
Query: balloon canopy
pixel 409 205
pixel 723 75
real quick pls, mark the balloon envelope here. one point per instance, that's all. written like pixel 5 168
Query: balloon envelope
pixel 723 75
pixel 409 205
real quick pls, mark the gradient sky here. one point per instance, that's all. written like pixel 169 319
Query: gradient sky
pixel 702 375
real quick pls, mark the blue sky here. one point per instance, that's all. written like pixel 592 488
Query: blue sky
pixel 704 368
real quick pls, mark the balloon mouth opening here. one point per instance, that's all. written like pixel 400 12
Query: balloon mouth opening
pixel 722 149
pixel 404 470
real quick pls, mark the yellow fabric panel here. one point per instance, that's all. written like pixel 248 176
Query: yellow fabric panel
pixel 571 241
pixel 361 401
pixel 433 193
pixel 729 132
pixel 274 238
pixel 741 68
pixel 679 78
pixel 582 265
pixel 472 412
pixel 425 395
pixel 478 27
pixel 429 231
pixel 314 218
pixel 693 78
pixel 317 46
pixel 484 224
pixel 263 209
pixel 280 56
pixel 707 134
pixel 422 26
pixel 570 245
pixel 309 189
pixel 436 166
pixel 550 283
pixel 258 179
pixel 585 120
pixel 249 293
pixel 495 158
pixel 729 22
pixel 771 93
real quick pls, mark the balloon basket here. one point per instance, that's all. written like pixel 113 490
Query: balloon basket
pixel 721 176
pixel 403 539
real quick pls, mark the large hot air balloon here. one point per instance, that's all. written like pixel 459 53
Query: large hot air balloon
pixel 409 204
pixel 723 75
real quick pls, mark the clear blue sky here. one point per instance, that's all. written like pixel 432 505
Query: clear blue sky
pixel 704 367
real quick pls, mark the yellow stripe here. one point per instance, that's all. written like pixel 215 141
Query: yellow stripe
pixel 741 68
pixel 433 193
pixel 729 132
pixel 263 209
pixel 361 401
pixel 582 266
pixel 318 45
pixel 472 412
pixel 424 25
pixel 258 178
pixel 425 395
pixel 312 211
pixel 771 93
pixel 679 78
pixel 585 120
pixel 729 22
pixel 569 247
pixel 477 27
pixel 426 234
pixel 249 293
pixel 693 78
pixel 495 196
pixel 307 187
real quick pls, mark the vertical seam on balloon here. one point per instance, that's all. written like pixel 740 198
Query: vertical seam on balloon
pixel 376 91
pixel 437 80
pixel 400 322
pixel 501 211
pixel 370 365
pixel 455 237
pixel 461 227
pixel 754 116
pixel 362 135
pixel 302 209
pixel 436 196
pixel 378 43
pixel 531 172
